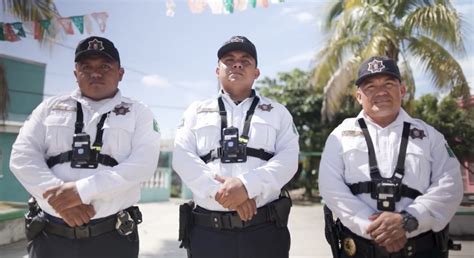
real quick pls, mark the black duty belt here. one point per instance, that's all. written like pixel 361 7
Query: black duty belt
pixel 257 153
pixel 96 227
pixel 106 225
pixel 368 248
pixel 229 220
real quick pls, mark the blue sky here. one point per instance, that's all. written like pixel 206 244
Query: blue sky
pixel 170 61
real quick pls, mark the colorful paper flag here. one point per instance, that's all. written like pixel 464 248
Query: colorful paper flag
pixel 66 23
pixel 197 6
pixel 18 26
pixel 79 22
pixel 101 19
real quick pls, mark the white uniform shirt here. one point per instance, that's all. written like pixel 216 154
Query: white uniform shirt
pixel 129 137
pixel 271 129
pixel 430 167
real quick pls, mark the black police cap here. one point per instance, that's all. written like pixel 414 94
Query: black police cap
pixel 378 65
pixel 96 46
pixel 238 43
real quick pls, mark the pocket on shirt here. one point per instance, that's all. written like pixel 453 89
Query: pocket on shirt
pixel 262 135
pixel 59 132
pixel 356 157
pixel 118 134
pixel 207 133
pixel 418 166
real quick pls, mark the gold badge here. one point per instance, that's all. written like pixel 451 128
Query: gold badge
pixel 349 246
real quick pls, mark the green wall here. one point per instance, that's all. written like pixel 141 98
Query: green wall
pixel 10 188
pixel 25 80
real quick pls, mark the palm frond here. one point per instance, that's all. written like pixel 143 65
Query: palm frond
pixel 439 22
pixel 31 10
pixel 446 73
pixel 337 87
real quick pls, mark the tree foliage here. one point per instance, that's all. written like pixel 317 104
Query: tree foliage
pixel 427 32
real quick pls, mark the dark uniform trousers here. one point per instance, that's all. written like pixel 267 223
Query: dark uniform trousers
pixel 260 241
pixel 422 246
pixel 110 244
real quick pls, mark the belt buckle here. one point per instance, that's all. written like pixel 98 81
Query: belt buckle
pixel 236 222
pixel 82 231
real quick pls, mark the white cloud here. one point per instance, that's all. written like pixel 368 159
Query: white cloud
pixel 303 57
pixel 155 80
pixel 304 17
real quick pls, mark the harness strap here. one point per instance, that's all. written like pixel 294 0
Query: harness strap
pixel 257 153
pixel 369 187
pixel 66 156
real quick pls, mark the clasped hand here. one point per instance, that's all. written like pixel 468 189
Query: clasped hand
pixel 234 196
pixel 387 231
pixel 66 201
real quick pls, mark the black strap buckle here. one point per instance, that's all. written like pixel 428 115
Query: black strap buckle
pixel 82 232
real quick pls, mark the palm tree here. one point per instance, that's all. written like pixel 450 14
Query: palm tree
pixel 25 10
pixel 426 31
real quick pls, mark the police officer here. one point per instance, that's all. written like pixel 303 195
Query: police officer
pixel 392 180
pixel 82 156
pixel 236 152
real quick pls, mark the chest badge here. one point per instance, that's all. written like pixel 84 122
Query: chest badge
pixel 265 107
pixel 417 133
pixel 349 246
pixel 121 110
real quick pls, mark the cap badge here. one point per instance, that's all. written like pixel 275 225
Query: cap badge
pixel 417 133
pixel 95 45
pixel 375 66
pixel 236 39
pixel 265 107
pixel 121 110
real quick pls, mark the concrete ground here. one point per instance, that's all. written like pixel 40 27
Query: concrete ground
pixel 159 234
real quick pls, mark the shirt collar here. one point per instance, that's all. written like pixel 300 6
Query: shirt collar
pixel 114 101
pixel 402 116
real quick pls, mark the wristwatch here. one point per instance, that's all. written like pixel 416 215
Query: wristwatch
pixel 409 223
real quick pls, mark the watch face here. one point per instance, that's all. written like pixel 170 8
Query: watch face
pixel 409 223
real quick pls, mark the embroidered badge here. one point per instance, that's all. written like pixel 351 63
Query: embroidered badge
pixel 450 151
pixel 265 107
pixel 349 246
pixel 375 66
pixel 352 133
pixel 121 110
pixel 417 133
pixel 63 107
pixel 95 45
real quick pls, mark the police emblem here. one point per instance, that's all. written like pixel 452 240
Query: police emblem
pixel 265 107
pixel 375 66
pixel 349 246
pixel 121 110
pixel 417 133
pixel 95 45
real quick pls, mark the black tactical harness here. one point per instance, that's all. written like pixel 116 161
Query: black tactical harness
pixel 387 191
pixel 103 159
pixel 244 138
